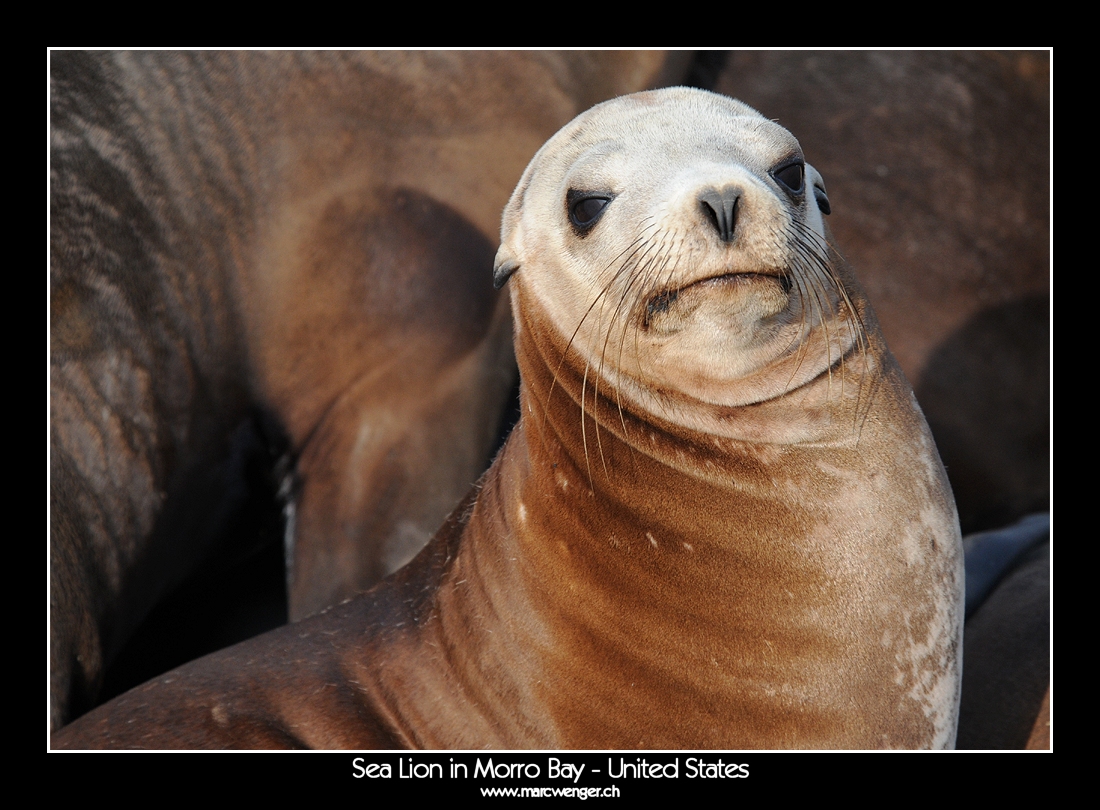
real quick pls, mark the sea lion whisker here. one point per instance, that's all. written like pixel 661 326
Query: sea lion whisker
pixel 584 434
pixel 810 264
pixel 580 323
pixel 672 262
pixel 639 250
pixel 825 309
pixel 666 250
pixel 801 285
pixel 623 318
pixel 647 266
pixel 852 318
pixel 628 267
pixel 819 249
pixel 814 250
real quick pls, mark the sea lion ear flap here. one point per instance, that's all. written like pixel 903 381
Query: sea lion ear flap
pixel 503 267
pixel 814 212
pixel 813 176
pixel 507 260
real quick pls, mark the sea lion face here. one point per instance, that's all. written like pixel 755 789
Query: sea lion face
pixel 675 238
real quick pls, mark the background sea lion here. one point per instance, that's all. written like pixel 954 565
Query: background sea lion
pixel 265 256
pixel 721 521
pixel 1006 657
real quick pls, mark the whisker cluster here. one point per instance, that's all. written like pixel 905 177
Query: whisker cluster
pixel 639 283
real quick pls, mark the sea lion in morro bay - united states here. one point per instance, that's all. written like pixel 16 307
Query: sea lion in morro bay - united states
pixel 721 521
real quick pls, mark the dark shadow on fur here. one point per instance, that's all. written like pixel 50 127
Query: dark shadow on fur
pixel 240 591
pixel 986 394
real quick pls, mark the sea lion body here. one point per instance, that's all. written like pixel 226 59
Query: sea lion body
pixel 721 521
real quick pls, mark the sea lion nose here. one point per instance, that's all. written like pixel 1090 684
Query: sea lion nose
pixel 720 207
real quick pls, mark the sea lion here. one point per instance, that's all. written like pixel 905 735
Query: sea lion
pixel 721 521
pixel 290 240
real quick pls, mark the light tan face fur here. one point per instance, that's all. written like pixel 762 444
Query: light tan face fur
pixel 651 296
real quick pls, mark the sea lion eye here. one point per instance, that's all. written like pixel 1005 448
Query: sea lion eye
pixel 791 177
pixel 586 208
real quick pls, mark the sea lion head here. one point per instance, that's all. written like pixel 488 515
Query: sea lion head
pixel 675 238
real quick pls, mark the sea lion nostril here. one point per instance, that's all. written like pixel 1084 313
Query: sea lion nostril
pixel 720 206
